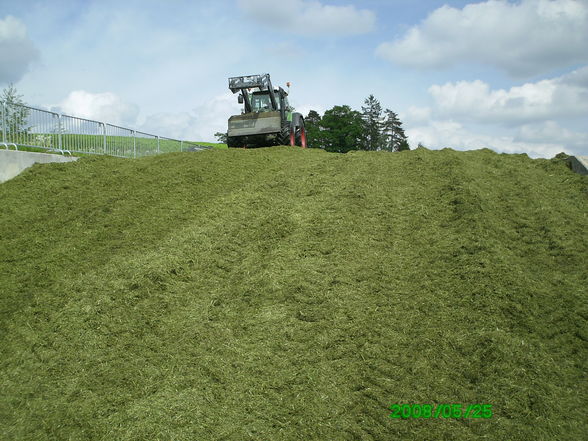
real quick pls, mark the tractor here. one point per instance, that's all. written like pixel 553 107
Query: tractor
pixel 267 118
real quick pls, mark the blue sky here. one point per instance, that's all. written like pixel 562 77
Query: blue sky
pixel 508 75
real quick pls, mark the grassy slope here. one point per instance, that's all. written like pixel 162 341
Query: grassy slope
pixel 282 294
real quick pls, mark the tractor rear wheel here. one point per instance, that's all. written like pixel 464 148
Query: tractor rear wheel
pixel 301 135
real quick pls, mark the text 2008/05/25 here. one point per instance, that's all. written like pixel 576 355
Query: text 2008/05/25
pixel 445 410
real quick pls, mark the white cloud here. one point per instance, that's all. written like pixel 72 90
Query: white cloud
pixel 286 49
pixel 524 39
pixel 199 125
pixel 441 134
pixel 172 125
pixel 552 132
pixel 105 107
pixel 547 99
pixel 523 119
pixel 312 18
pixel 415 115
pixel 17 51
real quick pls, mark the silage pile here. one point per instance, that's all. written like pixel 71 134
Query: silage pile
pixel 293 295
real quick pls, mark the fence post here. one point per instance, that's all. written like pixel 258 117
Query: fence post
pixel 59 141
pixel 158 145
pixel 3 121
pixel 104 135
pixel 134 145
pixel 182 145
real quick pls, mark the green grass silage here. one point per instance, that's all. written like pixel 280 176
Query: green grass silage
pixel 287 294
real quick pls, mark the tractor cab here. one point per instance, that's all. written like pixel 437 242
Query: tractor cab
pixel 260 101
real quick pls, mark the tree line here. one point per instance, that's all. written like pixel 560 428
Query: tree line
pixel 342 129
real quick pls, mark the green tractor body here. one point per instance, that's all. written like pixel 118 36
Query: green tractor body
pixel 267 118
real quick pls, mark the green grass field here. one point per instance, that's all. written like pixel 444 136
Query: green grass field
pixel 288 294
pixel 214 144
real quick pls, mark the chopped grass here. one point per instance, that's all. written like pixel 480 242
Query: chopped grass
pixel 217 145
pixel 287 294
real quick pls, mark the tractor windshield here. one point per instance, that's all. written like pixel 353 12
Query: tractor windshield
pixel 261 102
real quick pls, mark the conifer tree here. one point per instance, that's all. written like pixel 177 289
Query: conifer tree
pixel 394 137
pixel 371 114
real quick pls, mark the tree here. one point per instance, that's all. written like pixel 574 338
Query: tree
pixel 341 130
pixel 312 127
pixel 16 115
pixel 221 137
pixel 394 137
pixel 371 114
pixel 403 145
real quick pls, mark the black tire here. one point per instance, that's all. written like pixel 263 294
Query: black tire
pixel 284 135
pixel 234 141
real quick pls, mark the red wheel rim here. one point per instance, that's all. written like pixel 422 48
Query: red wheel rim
pixel 292 138
pixel 303 137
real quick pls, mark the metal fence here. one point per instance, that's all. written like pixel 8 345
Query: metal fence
pixel 25 126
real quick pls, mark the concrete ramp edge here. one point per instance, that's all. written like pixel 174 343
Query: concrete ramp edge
pixel 13 162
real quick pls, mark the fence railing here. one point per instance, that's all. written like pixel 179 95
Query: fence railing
pixel 25 126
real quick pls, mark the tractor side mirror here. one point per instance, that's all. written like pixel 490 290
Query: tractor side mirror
pixel 240 99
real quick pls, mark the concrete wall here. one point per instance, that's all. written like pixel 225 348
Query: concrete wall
pixel 14 162
pixel 579 164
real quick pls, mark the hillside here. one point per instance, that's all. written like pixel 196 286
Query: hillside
pixel 287 294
